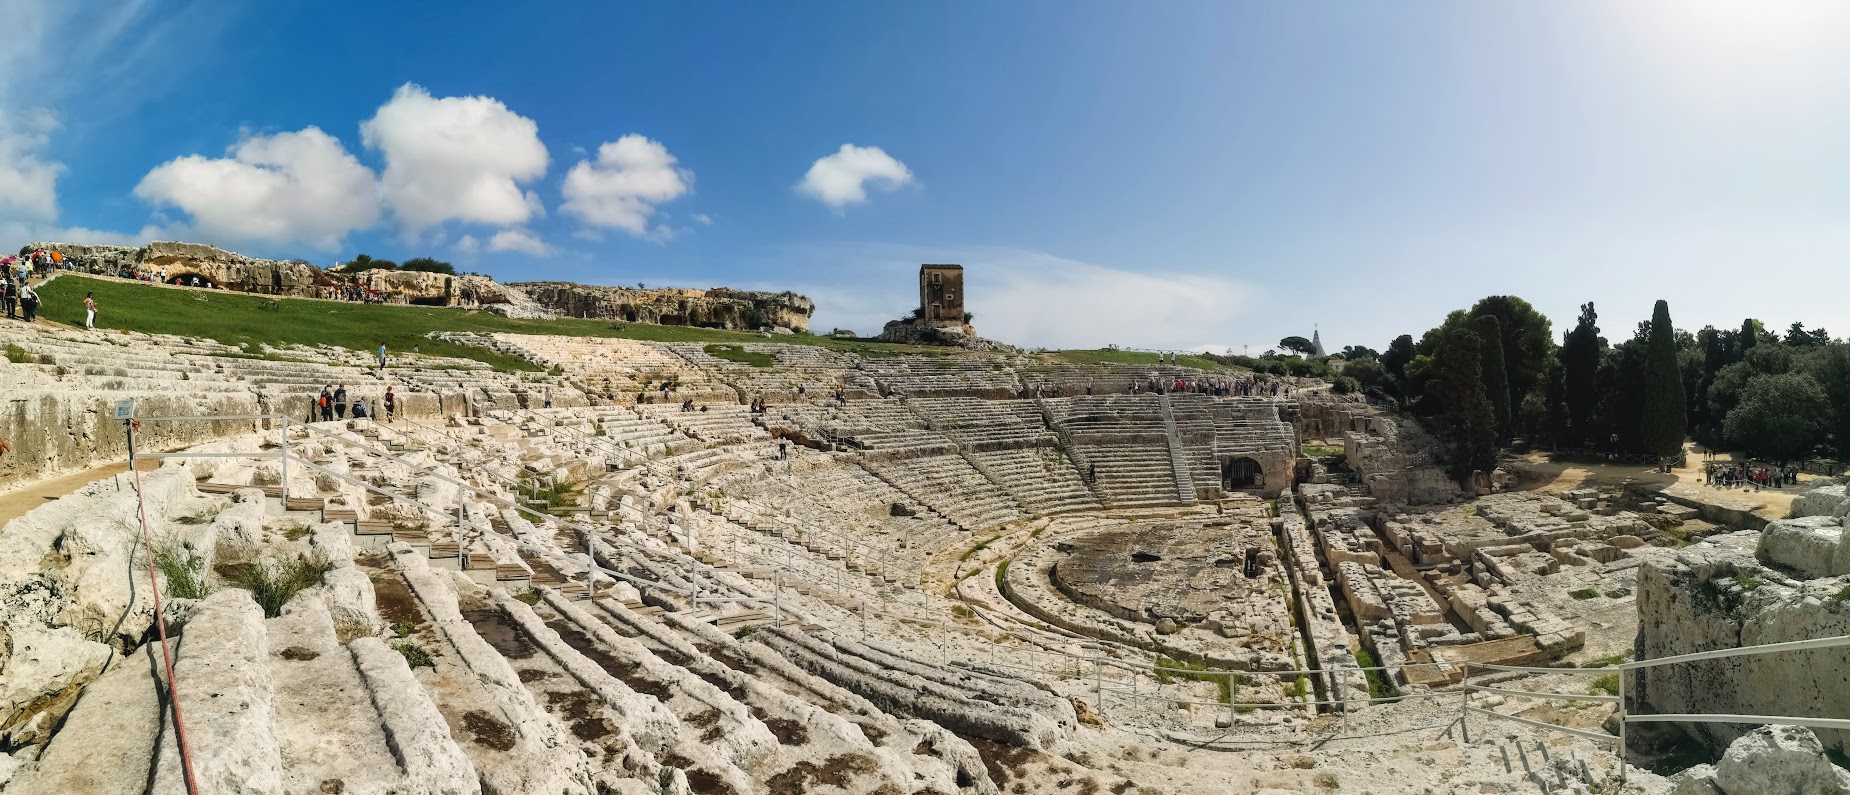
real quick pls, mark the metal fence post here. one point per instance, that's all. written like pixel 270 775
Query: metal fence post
pixel 1098 683
pixel 1622 727
pixel 1464 709
pixel 285 464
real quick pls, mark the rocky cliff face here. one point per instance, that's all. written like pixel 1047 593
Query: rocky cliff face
pixel 1747 589
pixel 1398 462
pixel 718 308
pixel 228 270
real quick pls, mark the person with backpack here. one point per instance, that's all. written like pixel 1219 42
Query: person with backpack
pixel 359 408
pixel 9 296
pixel 391 404
pixel 340 402
pixel 326 402
pixel 29 301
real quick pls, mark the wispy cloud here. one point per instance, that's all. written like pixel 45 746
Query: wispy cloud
pixel 1024 296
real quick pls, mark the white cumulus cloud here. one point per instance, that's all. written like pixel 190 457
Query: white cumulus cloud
pixel 290 187
pixel 622 186
pixel 841 179
pixel 519 240
pixel 28 183
pixel 455 158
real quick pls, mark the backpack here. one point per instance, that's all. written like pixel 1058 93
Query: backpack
pixel 324 401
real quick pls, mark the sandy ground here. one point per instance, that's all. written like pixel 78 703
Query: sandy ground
pixel 1537 473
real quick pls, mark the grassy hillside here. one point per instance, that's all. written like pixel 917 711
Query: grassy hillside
pixel 240 318
pixel 1107 356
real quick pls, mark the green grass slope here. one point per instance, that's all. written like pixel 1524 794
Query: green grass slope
pixel 241 318
pixel 1108 356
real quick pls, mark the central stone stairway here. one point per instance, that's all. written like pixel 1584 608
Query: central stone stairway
pixel 1178 460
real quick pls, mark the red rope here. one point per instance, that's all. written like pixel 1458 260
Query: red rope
pixel 160 625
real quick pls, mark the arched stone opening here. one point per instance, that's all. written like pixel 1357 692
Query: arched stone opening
pixel 189 280
pixel 431 301
pixel 1242 473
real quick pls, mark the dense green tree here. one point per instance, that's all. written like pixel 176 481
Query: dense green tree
pixel 1666 416
pixel 1466 423
pixel 1527 337
pixel 1354 352
pixel 427 265
pixel 1780 417
pixel 363 262
pixel 1495 376
pixel 1399 353
pixel 1750 335
pixel 1829 367
pixel 1296 344
pixel 1580 367
pixel 1367 372
pixel 1621 378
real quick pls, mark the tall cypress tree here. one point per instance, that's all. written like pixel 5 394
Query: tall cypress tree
pixel 1666 415
pixel 1496 378
pixel 1750 336
pixel 1580 374
pixel 1466 423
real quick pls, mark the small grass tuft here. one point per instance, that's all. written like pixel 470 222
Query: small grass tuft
pixel 17 355
pixel 184 570
pixel 415 655
pixel 274 584
pixel 529 596
pixel 1380 685
pixel 1224 681
pixel 1608 684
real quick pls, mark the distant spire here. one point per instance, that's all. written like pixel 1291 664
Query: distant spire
pixel 1316 343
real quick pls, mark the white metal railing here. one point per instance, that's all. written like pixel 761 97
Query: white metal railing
pixel 1626 717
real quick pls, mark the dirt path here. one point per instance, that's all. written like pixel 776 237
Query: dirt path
pixel 15 503
pixel 1537 473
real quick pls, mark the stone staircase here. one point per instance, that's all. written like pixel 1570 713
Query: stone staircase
pixel 1185 485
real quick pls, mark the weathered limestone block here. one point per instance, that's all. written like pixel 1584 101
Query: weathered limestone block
pixel 1812 545
pixel 1826 500
pixel 1716 595
pixel 107 744
pixel 59 430
pixel 41 678
pixel 229 700
pixel 1779 759
pixel 416 732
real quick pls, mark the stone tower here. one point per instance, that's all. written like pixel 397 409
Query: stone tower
pixel 941 293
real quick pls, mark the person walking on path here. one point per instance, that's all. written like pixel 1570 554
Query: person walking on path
pixel 29 301
pixel 382 356
pixel 391 404
pixel 549 397
pixel 326 403
pixel 340 402
pixel 89 311
pixel 9 295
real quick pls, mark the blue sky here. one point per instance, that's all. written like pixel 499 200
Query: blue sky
pixel 1213 174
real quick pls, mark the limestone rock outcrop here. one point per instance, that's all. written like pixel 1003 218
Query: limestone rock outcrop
pixel 718 308
pixel 1733 590
pixel 1398 462
pixel 1765 760
pixel 225 269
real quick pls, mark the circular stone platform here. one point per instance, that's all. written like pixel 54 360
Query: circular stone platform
pixel 1220 575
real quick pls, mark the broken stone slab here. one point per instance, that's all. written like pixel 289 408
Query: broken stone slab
pixel 1779 759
